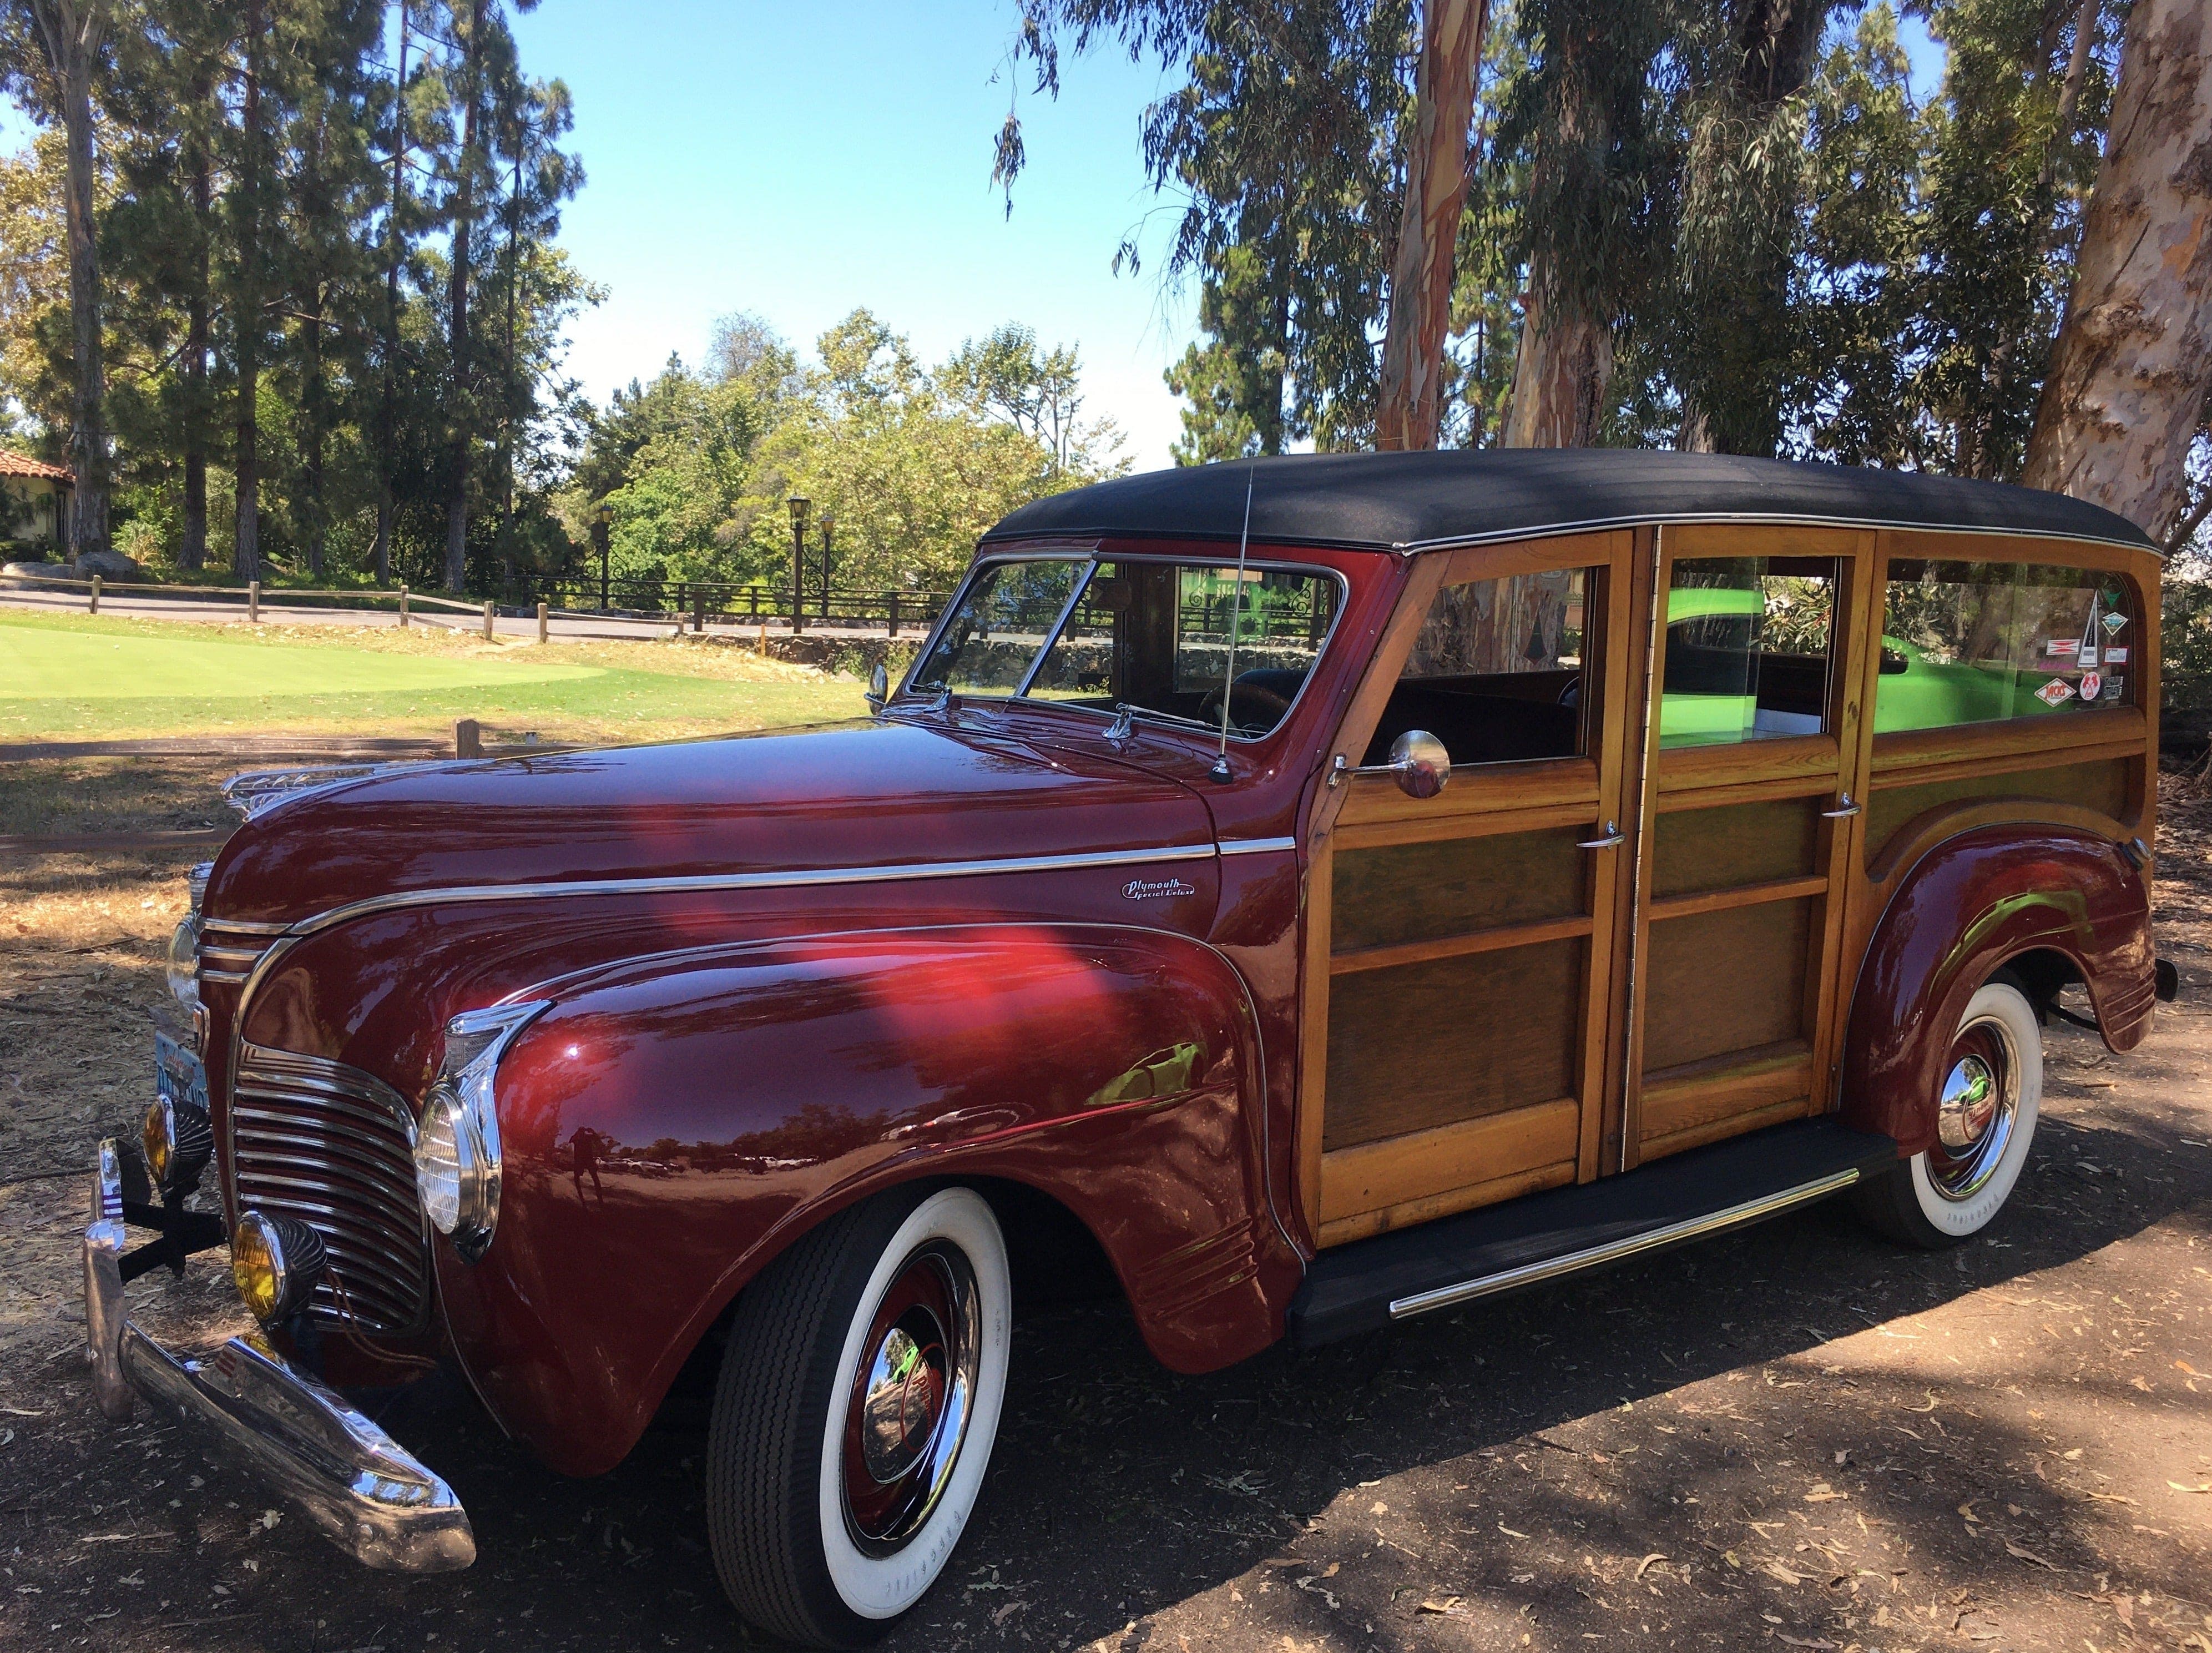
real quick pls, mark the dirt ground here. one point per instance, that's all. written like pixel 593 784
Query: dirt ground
pixel 1795 1437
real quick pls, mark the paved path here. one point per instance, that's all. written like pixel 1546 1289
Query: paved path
pixel 230 609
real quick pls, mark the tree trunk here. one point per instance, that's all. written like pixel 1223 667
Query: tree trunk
pixel 315 415
pixel 2133 364
pixel 71 32
pixel 245 554
pixel 1409 407
pixel 192 553
pixel 387 411
pixel 1560 377
pixel 465 206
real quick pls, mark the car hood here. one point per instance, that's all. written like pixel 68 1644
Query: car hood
pixel 876 794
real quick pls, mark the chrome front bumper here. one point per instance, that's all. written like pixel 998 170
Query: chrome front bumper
pixel 363 1488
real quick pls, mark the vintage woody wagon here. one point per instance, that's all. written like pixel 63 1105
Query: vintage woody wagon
pixel 1141 923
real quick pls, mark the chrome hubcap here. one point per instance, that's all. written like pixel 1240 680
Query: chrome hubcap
pixel 908 1412
pixel 1976 1112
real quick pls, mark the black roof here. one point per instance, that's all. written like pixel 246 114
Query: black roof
pixel 1404 502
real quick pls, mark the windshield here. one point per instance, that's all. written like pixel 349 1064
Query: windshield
pixel 1153 637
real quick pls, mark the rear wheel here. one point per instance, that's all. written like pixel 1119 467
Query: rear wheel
pixel 854 1416
pixel 1985 1114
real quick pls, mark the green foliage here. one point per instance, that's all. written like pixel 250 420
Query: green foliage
pixel 904 467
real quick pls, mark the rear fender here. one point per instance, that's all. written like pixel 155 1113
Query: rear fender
pixel 1969 905
pixel 676 1121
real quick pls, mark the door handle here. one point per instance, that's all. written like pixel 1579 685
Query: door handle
pixel 1614 838
pixel 1843 810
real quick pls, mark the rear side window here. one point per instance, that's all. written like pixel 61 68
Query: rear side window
pixel 1976 642
pixel 1749 643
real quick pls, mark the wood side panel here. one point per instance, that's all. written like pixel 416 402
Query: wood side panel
pixel 1373 802
pixel 1850 715
pixel 2101 784
pixel 1702 1092
pixel 1451 1202
pixel 1777 758
pixel 1744 895
pixel 1401 1168
pixel 1620 656
pixel 1452 1039
pixel 1454 947
pixel 1999 739
pixel 1735 844
pixel 1725 981
pixel 1704 539
pixel 1715 1130
pixel 1949 544
pixel 1422 892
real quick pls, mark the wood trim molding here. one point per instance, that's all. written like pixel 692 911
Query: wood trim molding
pixel 1383 1185
pixel 1743 894
pixel 1458 946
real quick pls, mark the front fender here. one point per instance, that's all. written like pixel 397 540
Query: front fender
pixel 1969 905
pixel 677 1120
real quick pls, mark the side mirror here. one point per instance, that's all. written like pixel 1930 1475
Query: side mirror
pixel 879 687
pixel 1420 764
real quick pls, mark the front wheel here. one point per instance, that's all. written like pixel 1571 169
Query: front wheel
pixel 1985 1114
pixel 854 1416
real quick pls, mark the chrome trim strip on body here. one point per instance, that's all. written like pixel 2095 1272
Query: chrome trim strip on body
pixel 1256 846
pixel 802 878
pixel 1590 1257
pixel 1759 518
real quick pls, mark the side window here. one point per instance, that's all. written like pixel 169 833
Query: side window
pixel 1495 671
pixel 1003 618
pixel 1750 643
pixel 1973 643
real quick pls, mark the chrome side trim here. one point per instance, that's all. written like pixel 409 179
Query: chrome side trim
pixel 368 1493
pixel 1256 846
pixel 1590 1257
pixel 1641 520
pixel 714 881
pixel 249 927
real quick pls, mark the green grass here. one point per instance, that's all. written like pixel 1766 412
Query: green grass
pixel 77 678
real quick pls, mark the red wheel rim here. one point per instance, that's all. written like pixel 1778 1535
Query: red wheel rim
pixel 907 1410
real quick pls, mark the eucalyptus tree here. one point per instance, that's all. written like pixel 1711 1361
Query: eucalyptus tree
pixel 2126 393
pixel 68 41
pixel 1298 133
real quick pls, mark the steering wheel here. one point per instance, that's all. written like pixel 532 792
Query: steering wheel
pixel 1251 705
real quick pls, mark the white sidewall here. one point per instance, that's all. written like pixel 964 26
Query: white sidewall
pixel 883 1587
pixel 1960 1218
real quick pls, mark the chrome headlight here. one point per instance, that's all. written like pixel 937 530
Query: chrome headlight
pixel 183 962
pixel 457 1152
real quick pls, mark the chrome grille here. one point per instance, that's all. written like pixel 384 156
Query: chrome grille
pixel 335 1147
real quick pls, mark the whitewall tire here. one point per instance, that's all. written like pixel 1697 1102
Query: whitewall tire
pixel 854 1420
pixel 1989 1095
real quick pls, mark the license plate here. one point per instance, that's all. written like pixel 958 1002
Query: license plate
pixel 179 1074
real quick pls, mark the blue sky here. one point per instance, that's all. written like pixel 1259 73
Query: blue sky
pixel 796 161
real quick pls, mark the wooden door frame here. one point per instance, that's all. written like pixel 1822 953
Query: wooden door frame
pixel 1498 798
pixel 1755 771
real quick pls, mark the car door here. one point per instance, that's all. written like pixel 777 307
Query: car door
pixel 1461 949
pixel 1749 805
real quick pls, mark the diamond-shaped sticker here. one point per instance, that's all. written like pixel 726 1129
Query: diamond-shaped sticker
pixel 2054 691
pixel 2116 621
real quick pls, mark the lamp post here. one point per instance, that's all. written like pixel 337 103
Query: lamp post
pixel 601 519
pixel 800 505
pixel 829 533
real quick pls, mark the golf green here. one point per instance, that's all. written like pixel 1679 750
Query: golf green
pixel 42 663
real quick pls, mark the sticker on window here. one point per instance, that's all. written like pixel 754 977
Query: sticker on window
pixel 2087 657
pixel 2091 685
pixel 2115 622
pixel 2062 647
pixel 2054 691
pixel 2115 689
pixel 2115 657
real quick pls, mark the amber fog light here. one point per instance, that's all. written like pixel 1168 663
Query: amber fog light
pixel 179 1140
pixel 276 1262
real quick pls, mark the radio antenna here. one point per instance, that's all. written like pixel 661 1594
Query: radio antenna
pixel 1220 770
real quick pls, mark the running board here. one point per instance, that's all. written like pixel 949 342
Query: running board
pixel 1368 1284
